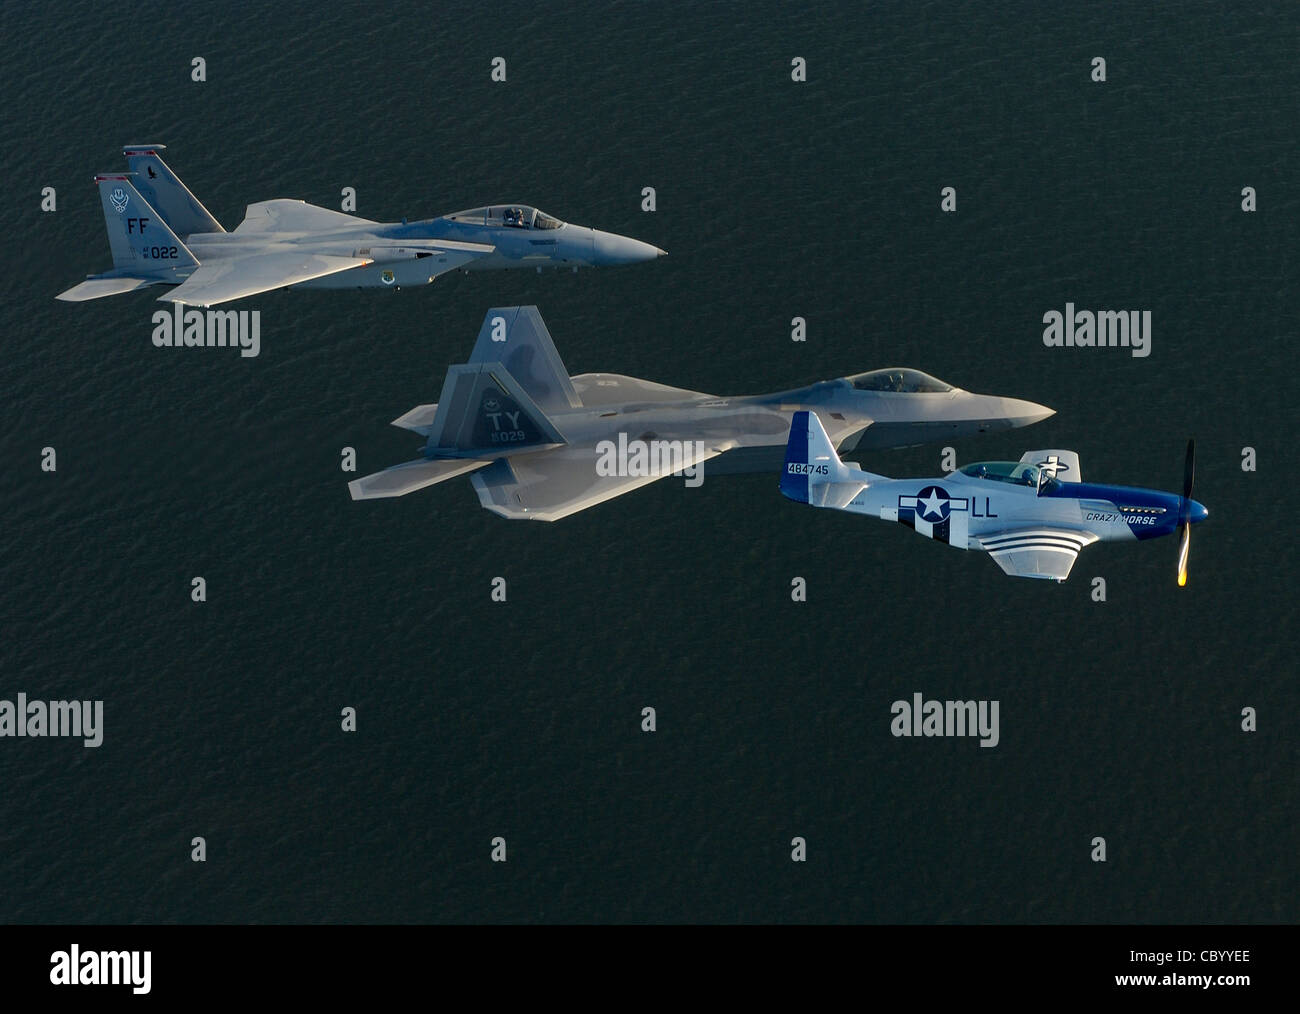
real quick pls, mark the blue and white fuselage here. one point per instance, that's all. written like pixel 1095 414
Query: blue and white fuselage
pixel 1033 516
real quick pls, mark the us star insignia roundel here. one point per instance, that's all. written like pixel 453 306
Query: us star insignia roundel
pixel 936 515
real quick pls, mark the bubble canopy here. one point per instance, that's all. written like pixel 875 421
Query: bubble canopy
pixel 508 216
pixel 899 381
pixel 1017 473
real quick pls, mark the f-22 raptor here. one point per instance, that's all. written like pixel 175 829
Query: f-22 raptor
pixel 160 234
pixel 543 445
pixel 1033 516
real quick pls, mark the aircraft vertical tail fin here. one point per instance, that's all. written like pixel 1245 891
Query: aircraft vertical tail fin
pixel 142 243
pixel 516 336
pixel 484 412
pixel 145 250
pixel 813 471
pixel 166 194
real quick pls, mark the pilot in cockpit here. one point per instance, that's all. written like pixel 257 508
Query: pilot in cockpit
pixel 513 217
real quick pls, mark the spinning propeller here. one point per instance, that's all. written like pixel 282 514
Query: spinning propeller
pixel 1185 512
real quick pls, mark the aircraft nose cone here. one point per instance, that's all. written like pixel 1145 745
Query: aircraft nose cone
pixel 610 248
pixel 1198 512
pixel 1025 413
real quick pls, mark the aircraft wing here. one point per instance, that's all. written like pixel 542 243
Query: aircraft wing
pixel 233 278
pixel 550 485
pixel 1037 552
pixel 285 215
pixel 597 389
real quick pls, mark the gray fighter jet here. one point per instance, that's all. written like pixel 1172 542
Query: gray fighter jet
pixel 543 445
pixel 160 234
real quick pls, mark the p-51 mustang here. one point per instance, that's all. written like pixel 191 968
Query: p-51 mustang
pixel 542 445
pixel 1032 516
pixel 161 235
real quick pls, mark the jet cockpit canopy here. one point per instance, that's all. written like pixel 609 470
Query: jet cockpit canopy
pixel 899 381
pixel 510 216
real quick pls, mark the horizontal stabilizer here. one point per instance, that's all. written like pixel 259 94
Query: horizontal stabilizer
pixel 1057 464
pixel 97 288
pixel 418 420
pixel 408 477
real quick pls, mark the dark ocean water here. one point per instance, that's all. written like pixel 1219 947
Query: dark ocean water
pixel 521 719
